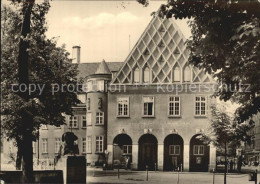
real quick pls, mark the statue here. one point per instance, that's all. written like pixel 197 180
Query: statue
pixel 69 146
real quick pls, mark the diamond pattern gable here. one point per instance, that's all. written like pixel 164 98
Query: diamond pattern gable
pixel 162 49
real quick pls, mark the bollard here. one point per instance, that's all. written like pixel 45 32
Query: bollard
pixel 181 168
pixel 146 172
pixel 154 166
pixel 178 176
pixel 213 176
pixel 256 176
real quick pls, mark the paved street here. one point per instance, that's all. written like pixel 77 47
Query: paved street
pixel 109 177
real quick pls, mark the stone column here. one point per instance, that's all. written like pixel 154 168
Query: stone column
pixel 212 157
pixel 135 156
pixel 110 155
pixel 186 157
pixel 160 157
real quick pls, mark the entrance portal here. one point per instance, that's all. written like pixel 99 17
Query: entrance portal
pixel 147 152
pixel 173 153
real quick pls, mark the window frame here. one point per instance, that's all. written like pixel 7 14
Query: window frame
pixel 99 118
pixel 84 142
pixel 102 145
pixel 174 106
pixel 174 148
pixel 143 108
pixel 184 74
pixel 82 120
pixel 77 123
pixel 134 73
pixel 128 107
pixel 55 144
pixel 200 106
pixel 179 76
pixel 127 148
pixel 146 69
pixel 199 148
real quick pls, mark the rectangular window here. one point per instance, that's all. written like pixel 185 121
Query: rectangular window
pixel 100 85
pixel 99 144
pixel 99 118
pixel 200 106
pixel 88 104
pixel 89 144
pixel 174 106
pixel 89 119
pixel 57 145
pixel 84 145
pixel 73 122
pixel 127 149
pixel 84 121
pixel 198 150
pixel 174 149
pixel 44 145
pixel 148 105
pixel 123 106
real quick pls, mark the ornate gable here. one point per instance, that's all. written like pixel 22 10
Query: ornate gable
pixel 160 56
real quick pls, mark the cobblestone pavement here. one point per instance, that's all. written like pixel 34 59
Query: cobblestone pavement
pixel 98 176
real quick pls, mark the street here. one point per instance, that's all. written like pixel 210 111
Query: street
pixel 125 176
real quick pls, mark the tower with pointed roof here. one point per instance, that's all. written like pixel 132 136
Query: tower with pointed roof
pixel 96 115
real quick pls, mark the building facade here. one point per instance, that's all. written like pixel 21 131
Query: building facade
pixel 145 112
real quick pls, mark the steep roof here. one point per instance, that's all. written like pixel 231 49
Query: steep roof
pixel 162 49
pixel 86 69
pixel 103 68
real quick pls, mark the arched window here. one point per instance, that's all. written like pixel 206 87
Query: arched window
pixel 136 75
pixel 146 75
pixel 187 74
pixel 176 74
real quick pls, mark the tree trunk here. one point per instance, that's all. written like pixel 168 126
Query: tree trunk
pixel 19 156
pixel 23 74
pixel 225 172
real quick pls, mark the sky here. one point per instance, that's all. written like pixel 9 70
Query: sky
pixel 103 29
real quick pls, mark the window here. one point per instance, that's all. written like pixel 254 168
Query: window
pixel 89 144
pixel 136 75
pixel 187 74
pixel 57 145
pixel 99 118
pixel 176 74
pixel 90 86
pixel 198 150
pixel 99 144
pixel 84 145
pixel 73 122
pixel 146 75
pixel 127 149
pixel 84 121
pixel 82 98
pixel 174 149
pixel 88 104
pixel 34 147
pixel 174 106
pixel 44 145
pixel 123 106
pixel 100 85
pixel 89 119
pixel 200 106
pixel 148 102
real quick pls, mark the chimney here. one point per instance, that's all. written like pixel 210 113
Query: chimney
pixel 76 54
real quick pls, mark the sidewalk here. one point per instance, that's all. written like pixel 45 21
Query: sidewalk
pixel 129 177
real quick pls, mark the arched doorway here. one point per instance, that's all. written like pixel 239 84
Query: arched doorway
pixel 173 152
pixel 122 150
pixel 147 152
pixel 199 155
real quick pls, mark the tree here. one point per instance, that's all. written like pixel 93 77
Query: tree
pixel 225 42
pixel 26 107
pixel 225 133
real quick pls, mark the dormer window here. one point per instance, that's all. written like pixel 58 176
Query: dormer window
pixel 187 74
pixel 136 75
pixel 146 75
pixel 176 74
